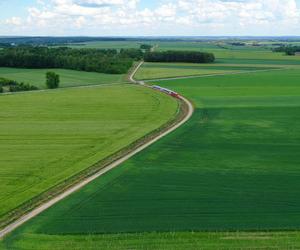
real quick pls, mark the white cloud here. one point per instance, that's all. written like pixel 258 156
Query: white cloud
pixel 80 22
pixel 166 10
pixel 99 2
pixel 171 17
pixel 15 21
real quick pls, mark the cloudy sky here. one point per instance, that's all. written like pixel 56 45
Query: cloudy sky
pixel 149 17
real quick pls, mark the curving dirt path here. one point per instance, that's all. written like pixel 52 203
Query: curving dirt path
pixel 101 172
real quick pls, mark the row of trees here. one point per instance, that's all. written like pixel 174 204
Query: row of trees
pixel 146 47
pixel 14 86
pixel 179 56
pixel 237 44
pixel 52 82
pixel 109 61
pixel 135 54
pixel 288 50
pixel 104 61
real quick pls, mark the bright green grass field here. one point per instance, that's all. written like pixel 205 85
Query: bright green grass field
pixel 167 70
pixel 49 136
pixel 68 78
pixel 233 166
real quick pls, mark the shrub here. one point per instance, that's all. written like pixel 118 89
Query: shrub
pixel 289 50
pixel 14 86
pixel 52 80
pixel 21 87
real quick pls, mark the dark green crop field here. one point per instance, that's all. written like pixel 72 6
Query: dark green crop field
pixel 49 136
pixel 233 167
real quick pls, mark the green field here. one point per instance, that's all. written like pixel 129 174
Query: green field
pixel 68 78
pixel 233 167
pixel 154 241
pixel 225 51
pixel 228 179
pixel 167 70
pixel 234 54
pixel 49 136
pixel 221 49
pixel 225 54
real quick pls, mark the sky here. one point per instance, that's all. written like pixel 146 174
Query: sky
pixel 150 17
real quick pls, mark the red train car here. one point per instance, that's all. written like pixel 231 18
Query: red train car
pixel 176 95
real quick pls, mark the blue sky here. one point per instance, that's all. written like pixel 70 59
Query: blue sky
pixel 11 8
pixel 144 17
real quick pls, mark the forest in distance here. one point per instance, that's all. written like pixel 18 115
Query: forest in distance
pixel 110 61
pixel 94 60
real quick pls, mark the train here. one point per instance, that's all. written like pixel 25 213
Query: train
pixel 167 91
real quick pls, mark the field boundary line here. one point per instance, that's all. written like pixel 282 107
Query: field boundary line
pixel 186 108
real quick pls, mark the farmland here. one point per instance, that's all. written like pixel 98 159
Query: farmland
pixel 69 78
pixel 221 50
pixel 222 171
pixel 166 241
pixel 166 70
pixel 228 179
pixel 47 137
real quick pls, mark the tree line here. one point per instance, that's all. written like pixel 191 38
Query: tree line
pixel 179 56
pixel 108 61
pixel 146 47
pixel 288 50
pixel 14 86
